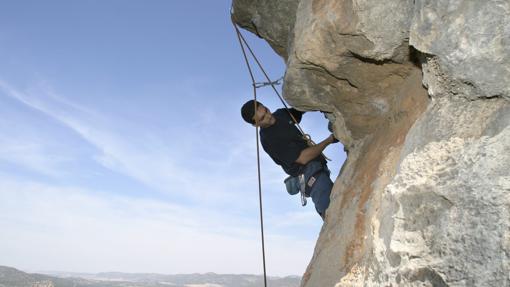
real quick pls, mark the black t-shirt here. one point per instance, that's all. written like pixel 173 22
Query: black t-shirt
pixel 283 142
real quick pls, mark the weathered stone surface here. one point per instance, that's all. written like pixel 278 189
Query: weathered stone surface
pixel 271 20
pixel 346 48
pixel 471 40
pixel 444 219
pixel 418 92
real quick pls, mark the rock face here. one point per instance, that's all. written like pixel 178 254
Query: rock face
pixel 419 94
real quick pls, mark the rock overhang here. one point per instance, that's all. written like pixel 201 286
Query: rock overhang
pixel 418 93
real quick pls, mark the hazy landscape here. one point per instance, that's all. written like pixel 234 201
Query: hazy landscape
pixel 11 277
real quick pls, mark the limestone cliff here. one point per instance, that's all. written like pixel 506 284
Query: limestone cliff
pixel 419 94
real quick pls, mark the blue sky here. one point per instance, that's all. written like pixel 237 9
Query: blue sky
pixel 122 146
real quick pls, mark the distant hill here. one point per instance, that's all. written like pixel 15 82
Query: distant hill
pixel 11 277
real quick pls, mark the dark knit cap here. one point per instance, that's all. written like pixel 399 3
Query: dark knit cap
pixel 248 111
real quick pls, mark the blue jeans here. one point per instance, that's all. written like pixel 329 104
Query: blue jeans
pixel 321 191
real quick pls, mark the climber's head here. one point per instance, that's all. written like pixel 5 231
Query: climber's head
pixel 255 113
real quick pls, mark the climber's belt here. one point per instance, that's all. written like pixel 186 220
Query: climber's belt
pixel 304 182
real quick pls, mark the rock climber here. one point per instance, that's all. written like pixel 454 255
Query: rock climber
pixel 284 143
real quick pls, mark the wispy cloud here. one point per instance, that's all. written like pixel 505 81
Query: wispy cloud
pixel 33 156
pixel 155 161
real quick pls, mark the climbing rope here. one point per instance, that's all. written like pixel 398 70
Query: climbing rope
pixel 240 38
pixel 244 45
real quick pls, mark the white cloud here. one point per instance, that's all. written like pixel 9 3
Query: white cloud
pixel 61 228
pixel 32 155
pixel 154 161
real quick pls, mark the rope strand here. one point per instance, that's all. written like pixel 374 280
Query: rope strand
pixel 239 37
